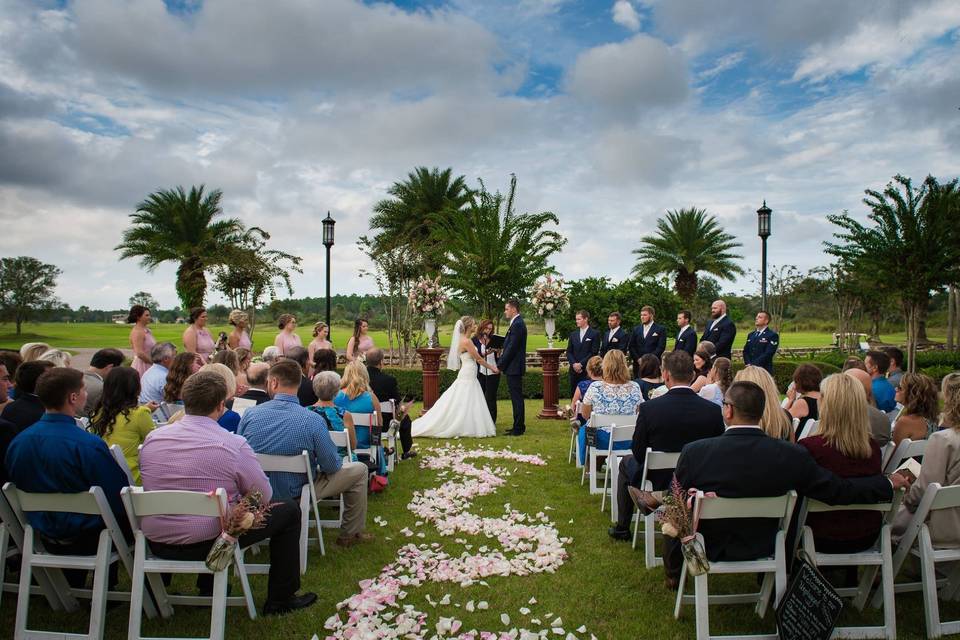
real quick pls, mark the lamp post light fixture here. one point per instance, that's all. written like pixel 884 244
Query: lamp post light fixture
pixel 763 230
pixel 328 223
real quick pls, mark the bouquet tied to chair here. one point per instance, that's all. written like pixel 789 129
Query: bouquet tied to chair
pixel 677 518
pixel 249 513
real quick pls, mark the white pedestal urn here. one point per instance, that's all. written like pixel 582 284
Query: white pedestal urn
pixel 550 324
pixel 430 326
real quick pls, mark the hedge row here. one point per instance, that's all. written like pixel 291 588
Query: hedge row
pixel 410 381
pixel 925 359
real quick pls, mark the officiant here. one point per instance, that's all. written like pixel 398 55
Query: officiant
pixel 583 344
pixel 485 342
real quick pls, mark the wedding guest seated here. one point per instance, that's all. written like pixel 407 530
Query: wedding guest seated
pixel 941 464
pixel 33 350
pixel 58 357
pixel 7 430
pixel 718 381
pixel 27 408
pixel 245 358
pixel 282 427
pixel 384 386
pixel 895 371
pixel 184 365
pixel 776 421
pixel 230 418
pixel 842 444
pixel 853 362
pixel 326 385
pixel 649 375
pixel 324 360
pixel 356 397
pixel 119 420
pixel 594 373
pixel 305 394
pixel 880 428
pixel 804 394
pixel 615 394
pixel 257 383
pixel 666 423
pixel 100 365
pixel 12 361
pixel 270 354
pixel 154 379
pixel 918 418
pixel 228 358
pixel 764 467
pixel 54 456
pixel 217 458
pixel 877 363
pixel 703 362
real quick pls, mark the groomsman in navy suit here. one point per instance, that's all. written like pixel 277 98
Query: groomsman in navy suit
pixel 614 337
pixel 647 337
pixel 686 337
pixel 762 344
pixel 720 330
pixel 583 343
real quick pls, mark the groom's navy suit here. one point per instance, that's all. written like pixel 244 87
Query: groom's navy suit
pixel 513 364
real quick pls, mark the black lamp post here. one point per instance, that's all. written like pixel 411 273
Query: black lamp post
pixel 328 223
pixel 763 230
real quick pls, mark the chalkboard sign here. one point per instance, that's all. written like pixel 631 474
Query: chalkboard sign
pixel 591 436
pixel 810 607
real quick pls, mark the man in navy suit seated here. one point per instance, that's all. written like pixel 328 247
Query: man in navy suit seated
pixel 583 343
pixel 686 336
pixel 647 337
pixel 762 344
pixel 615 337
pixel 720 330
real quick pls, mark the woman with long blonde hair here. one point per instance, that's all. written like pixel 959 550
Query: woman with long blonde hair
pixel 356 397
pixel 842 444
pixel 776 421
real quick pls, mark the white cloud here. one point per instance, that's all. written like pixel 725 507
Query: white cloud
pixel 625 15
pixel 724 63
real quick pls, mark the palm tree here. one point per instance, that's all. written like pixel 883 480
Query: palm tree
pixel 494 253
pixel 401 221
pixel 688 241
pixel 174 226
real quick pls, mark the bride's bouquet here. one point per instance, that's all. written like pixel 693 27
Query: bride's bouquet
pixel 249 513
pixel 427 297
pixel 549 298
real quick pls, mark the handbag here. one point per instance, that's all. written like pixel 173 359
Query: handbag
pixel 378 483
pixel 810 606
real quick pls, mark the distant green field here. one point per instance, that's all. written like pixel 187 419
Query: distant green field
pixel 97 335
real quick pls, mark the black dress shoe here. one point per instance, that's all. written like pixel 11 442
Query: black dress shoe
pixel 408 455
pixel 618 534
pixel 302 601
pixel 512 433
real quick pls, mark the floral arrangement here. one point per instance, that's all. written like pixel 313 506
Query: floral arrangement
pixel 427 297
pixel 549 298
pixel 675 515
pixel 249 513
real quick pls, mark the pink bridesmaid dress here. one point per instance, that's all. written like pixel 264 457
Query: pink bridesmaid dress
pixel 148 343
pixel 288 341
pixel 205 344
pixel 244 342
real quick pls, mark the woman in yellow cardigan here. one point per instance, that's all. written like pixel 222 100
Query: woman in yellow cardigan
pixel 117 418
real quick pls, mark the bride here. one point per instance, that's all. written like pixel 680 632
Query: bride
pixel 461 412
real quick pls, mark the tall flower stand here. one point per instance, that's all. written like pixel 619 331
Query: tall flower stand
pixel 551 383
pixel 430 359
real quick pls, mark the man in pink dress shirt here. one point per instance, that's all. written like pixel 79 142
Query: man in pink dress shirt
pixel 196 454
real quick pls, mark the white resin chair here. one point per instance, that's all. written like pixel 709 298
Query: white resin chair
pixel 368 420
pixel 342 440
pixel 117 454
pixel 906 449
pixel 388 406
pixel 308 503
pixel 599 420
pixel 11 541
pixel 611 470
pixel 655 461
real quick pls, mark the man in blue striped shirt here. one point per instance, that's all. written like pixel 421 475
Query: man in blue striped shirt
pixel 281 427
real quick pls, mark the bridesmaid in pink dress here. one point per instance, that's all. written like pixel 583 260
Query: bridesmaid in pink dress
pixel 287 339
pixel 197 338
pixel 360 342
pixel 239 337
pixel 141 339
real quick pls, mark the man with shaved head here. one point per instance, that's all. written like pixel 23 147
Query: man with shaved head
pixel 257 382
pixel 720 330
pixel 880 427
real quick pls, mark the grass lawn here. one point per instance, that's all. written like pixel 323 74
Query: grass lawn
pixel 602 585
pixel 97 335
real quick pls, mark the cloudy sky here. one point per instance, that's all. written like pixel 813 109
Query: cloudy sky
pixel 609 112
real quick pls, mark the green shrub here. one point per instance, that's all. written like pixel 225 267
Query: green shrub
pixel 938 372
pixel 925 359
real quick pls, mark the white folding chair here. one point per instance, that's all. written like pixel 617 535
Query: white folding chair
pixel 389 406
pixel 599 421
pixel 906 449
pixel 240 405
pixel 11 541
pixel 140 504
pixel 111 548
pixel 809 429
pixel 575 430
pixel 879 556
pixel 368 420
pixel 654 461
pixel 617 434
pixel 774 567
pixel 916 541
pixel 308 503
pixel 342 440
pixel 121 459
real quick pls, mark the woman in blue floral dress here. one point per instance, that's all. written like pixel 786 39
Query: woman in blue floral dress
pixel 616 394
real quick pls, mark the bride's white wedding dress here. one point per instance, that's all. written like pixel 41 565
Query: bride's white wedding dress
pixel 461 411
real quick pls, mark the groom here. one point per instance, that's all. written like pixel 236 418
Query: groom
pixel 513 362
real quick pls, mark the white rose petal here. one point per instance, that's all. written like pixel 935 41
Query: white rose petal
pixel 505 619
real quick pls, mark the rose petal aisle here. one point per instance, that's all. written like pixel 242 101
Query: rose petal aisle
pixel 527 545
